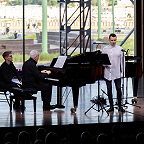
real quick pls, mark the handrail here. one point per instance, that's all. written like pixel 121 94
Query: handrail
pixel 126 37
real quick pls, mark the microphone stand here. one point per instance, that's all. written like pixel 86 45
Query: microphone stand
pixel 126 102
pixel 124 72
pixel 98 101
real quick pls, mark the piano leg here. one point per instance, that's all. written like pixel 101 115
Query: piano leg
pixel 75 91
pixel 135 88
pixel 59 98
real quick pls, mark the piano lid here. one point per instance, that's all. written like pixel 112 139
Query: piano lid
pixel 90 57
pixel 87 58
pixel 130 58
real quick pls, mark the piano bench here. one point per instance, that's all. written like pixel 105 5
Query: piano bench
pixel 23 94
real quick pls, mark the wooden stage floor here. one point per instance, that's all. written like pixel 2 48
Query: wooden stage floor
pixel 65 117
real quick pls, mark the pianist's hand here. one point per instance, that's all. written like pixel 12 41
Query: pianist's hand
pixel 18 85
pixel 21 82
pixel 46 71
pixel 43 71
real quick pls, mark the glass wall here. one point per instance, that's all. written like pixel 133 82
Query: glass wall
pixel 11 23
pixel 11 29
pixel 123 23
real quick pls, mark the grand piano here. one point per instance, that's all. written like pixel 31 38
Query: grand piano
pixel 133 70
pixel 76 72
pixel 82 69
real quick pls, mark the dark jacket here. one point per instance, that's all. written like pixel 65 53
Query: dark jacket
pixel 7 72
pixel 31 76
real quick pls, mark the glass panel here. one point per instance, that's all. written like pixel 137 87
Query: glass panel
pixel 33 29
pixel 123 19
pixel 11 29
pixel 11 18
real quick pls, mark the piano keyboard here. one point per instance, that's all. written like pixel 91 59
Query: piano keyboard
pixel 52 79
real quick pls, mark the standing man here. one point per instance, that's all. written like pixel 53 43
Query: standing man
pixel 7 72
pixel 33 78
pixel 15 35
pixel 114 71
pixel 37 33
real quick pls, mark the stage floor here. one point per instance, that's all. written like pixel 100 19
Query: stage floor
pixel 64 117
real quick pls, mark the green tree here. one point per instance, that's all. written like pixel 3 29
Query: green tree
pixel 110 2
pixel 14 2
pixel 28 2
pixel 94 2
pixel 52 2
pixel 37 2
pixel 72 4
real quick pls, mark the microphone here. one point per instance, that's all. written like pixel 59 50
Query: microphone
pixel 125 51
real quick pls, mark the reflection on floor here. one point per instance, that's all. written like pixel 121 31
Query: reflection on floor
pixel 64 116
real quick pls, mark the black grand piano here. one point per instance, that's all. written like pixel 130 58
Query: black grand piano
pixel 77 71
pixel 82 69
pixel 133 70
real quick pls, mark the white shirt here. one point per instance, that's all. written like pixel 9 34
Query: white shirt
pixel 115 70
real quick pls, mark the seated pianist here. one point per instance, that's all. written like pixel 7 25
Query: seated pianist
pixel 33 78
pixel 7 72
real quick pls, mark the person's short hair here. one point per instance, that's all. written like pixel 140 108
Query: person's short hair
pixel 39 142
pixel 112 35
pixel 34 53
pixel 23 138
pixel 9 137
pixel 41 134
pixel 52 138
pixel 102 138
pixel 6 53
pixel 140 138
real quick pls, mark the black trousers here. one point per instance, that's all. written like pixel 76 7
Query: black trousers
pixel 109 91
pixel 46 92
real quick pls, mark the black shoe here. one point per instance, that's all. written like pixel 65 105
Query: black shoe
pixel 121 109
pixel 52 106
pixel 110 110
pixel 73 110
pixel 49 107
pixel 18 107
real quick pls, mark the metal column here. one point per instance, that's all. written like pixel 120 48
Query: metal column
pixel 81 15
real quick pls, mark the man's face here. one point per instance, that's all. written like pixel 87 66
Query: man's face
pixel 112 41
pixel 9 57
pixel 36 58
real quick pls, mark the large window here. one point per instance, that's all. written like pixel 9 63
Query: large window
pixel 11 22
pixel 123 23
